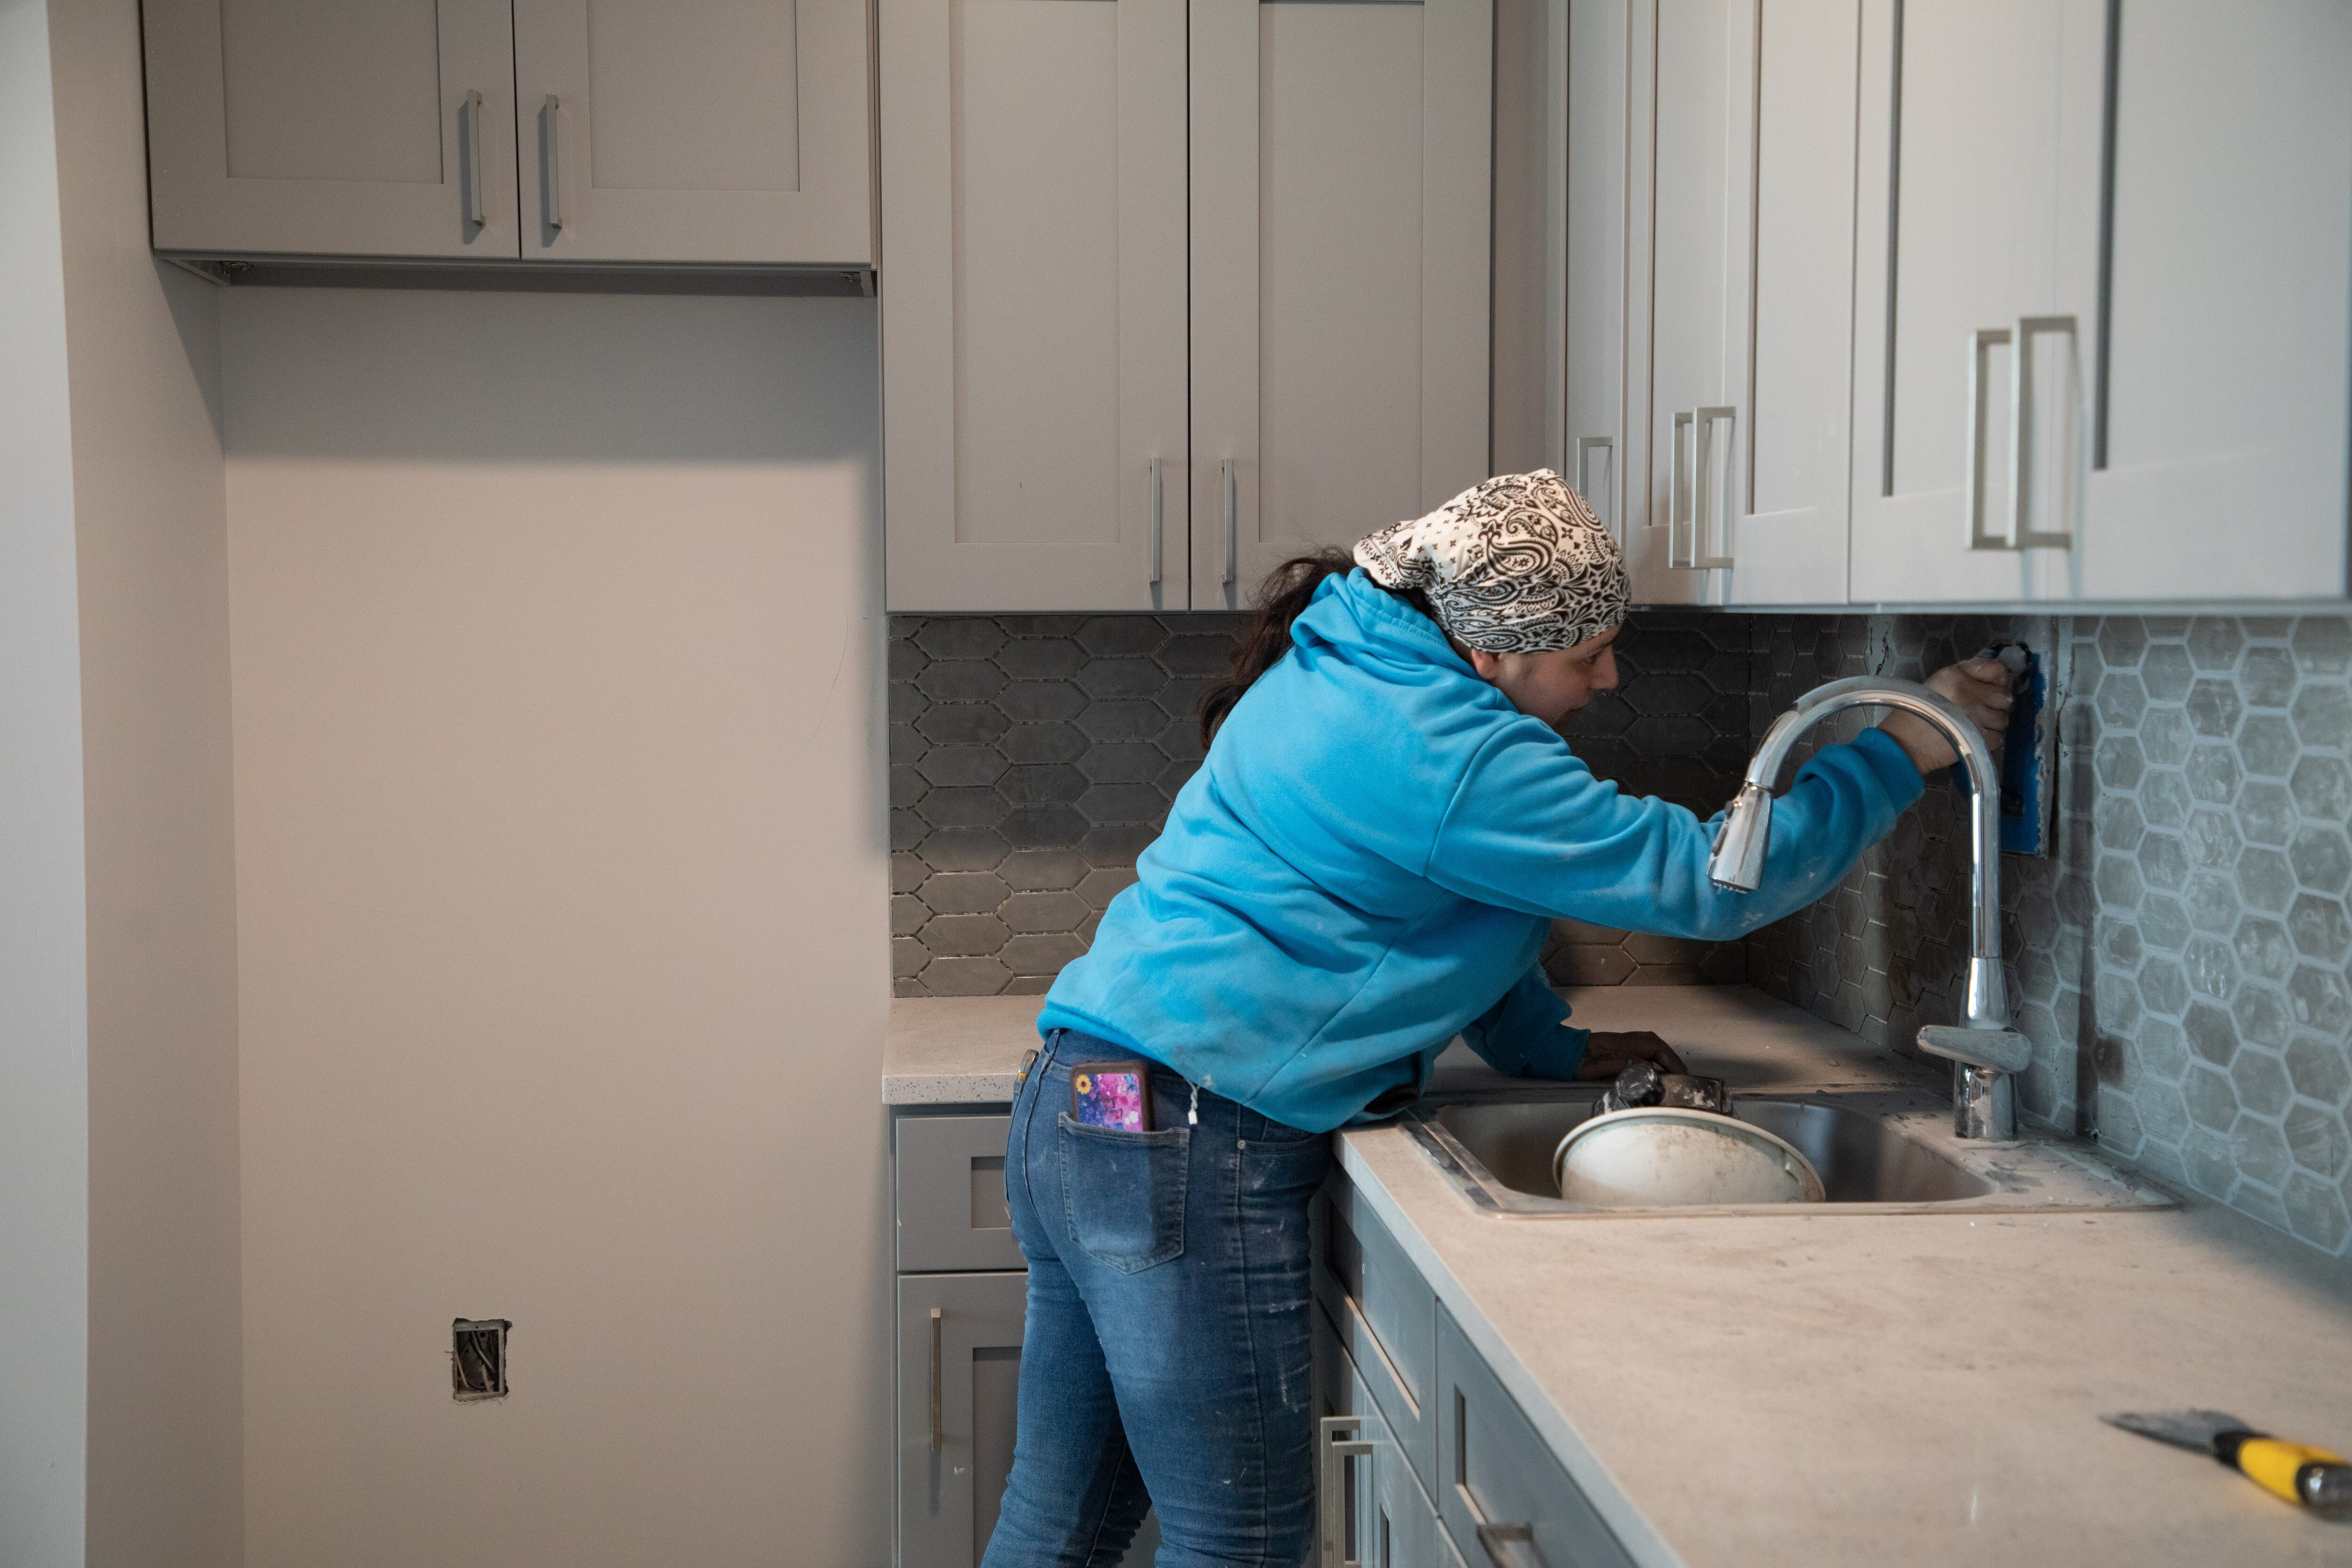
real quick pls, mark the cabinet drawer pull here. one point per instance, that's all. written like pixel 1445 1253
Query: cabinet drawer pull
pixel 469 130
pixel 1233 521
pixel 1510 1545
pixel 551 161
pixel 1332 1488
pixel 1158 515
pixel 938 1438
pixel 1701 465
pixel 1674 493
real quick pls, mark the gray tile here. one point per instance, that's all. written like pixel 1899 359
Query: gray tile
pixel 2119 761
pixel 962 850
pixel 962 892
pixel 2317 1140
pixel 1196 655
pixel 1118 842
pixel 2319 1000
pixel 2261 1016
pixel 906 914
pixel 2323 644
pixel 2320 1069
pixel 907 958
pixel 1040 658
pixel 1041 784
pixel 1042 701
pixel 2320 928
pixel 2266 744
pixel 1027 913
pixel 2168 736
pixel 1123 803
pixel 951 765
pixel 1124 762
pixel 1121 720
pixel 2257 1150
pixel 2212 839
pixel 1043 871
pixel 2213 773
pixel 959 636
pixel 962 809
pixel 1103 678
pixel 2166 672
pixel 2214 642
pixel 2212 1100
pixel 1041 953
pixel 2315 1212
pixel 906 872
pixel 1043 743
pixel 1055 826
pixel 2164 798
pixel 2263 949
pixel 2122 700
pixel 2264 880
pixel 2213 708
pixel 2323 717
pixel 2163 921
pixel 906 786
pixel 1121 636
pixel 962 723
pixel 2122 639
pixel 1040 625
pixel 962 936
pixel 961 681
pixel 2212 967
pixel 2266 677
pixel 2163 863
pixel 2320 857
pixel 965 977
pixel 2323 788
pixel 905 661
pixel 2211 1034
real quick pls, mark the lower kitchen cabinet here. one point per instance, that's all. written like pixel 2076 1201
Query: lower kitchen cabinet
pixel 1375 1513
pixel 962 1302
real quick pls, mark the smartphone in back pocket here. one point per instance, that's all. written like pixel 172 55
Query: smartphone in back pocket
pixel 1112 1094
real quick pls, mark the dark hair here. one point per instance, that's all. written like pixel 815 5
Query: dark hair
pixel 1281 599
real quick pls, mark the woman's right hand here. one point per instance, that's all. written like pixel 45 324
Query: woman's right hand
pixel 1978 688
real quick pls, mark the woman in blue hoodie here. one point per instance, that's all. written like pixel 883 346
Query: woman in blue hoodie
pixel 1364 867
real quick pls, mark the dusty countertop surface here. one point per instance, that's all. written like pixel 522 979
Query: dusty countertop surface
pixel 1814 1387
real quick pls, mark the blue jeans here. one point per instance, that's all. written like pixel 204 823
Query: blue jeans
pixel 1168 1354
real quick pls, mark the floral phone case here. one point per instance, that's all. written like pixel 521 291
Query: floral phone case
pixel 1116 1095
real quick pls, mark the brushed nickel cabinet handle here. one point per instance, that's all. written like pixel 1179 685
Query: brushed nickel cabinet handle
pixel 1332 1488
pixel 551 161
pixel 1704 491
pixel 1585 447
pixel 1676 560
pixel 1159 516
pixel 2022 535
pixel 1232 521
pixel 1510 1545
pixel 939 1439
pixel 469 130
pixel 1972 477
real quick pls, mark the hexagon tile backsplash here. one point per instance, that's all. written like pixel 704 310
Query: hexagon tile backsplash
pixel 2177 957
pixel 1033 757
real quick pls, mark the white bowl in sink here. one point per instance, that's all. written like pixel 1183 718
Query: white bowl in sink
pixel 1660 1157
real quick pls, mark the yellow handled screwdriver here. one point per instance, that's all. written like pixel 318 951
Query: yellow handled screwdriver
pixel 2295 1471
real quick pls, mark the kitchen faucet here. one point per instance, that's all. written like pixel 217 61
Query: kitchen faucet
pixel 1985 1052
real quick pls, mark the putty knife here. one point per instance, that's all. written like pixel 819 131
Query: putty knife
pixel 2312 1477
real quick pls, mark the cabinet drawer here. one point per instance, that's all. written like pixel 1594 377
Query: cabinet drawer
pixel 1496 1472
pixel 1385 1315
pixel 950 1201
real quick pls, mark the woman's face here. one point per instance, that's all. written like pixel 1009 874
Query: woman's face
pixel 1555 686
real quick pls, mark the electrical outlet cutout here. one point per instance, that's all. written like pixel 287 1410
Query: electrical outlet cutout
pixel 478 1358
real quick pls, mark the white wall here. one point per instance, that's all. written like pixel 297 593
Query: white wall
pixel 43 1095
pixel 151 526
pixel 561 925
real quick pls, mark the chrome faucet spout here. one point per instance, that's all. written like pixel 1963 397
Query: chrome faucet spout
pixel 1741 842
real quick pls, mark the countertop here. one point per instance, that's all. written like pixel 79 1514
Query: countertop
pixel 1918 1389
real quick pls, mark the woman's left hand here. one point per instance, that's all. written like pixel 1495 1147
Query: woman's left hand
pixel 1608 1054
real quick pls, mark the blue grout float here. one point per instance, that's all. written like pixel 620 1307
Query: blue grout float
pixel 2021 771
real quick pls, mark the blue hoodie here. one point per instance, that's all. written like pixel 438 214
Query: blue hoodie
pixel 1368 859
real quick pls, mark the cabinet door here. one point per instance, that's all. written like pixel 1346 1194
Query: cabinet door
pixel 1749 189
pixel 1500 1482
pixel 959 1383
pixel 1381 1517
pixel 1979 203
pixel 1033 322
pixel 287 128
pixel 694 131
pixel 1598 258
pixel 2217 460
pixel 1339 249
pixel 1386 1316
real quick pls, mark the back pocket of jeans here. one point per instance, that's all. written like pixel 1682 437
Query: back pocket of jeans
pixel 1123 1192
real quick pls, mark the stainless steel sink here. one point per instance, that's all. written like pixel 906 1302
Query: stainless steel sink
pixel 1876 1153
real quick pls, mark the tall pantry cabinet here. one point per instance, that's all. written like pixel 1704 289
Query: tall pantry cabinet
pixel 1173 289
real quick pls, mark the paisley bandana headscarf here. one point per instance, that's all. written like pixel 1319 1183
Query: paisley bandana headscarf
pixel 1517 564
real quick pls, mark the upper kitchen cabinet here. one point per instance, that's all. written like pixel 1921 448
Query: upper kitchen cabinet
pixel 1341 157
pixel 1126 365
pixel 290 128
pixel 2101 318
pixel 694 131
pixel 1742 138
pixel 1598 259
pixel 1033 315
pixel 648 132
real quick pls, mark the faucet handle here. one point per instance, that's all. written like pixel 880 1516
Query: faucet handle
pixel 2002 1050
